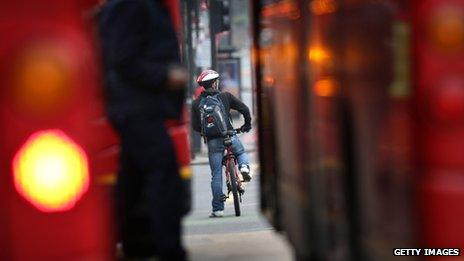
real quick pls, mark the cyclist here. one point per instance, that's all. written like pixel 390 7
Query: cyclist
pixel 209 80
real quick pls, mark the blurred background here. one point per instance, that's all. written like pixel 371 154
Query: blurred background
pixel 357 144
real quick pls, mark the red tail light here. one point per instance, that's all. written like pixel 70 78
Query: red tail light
pixel 51 171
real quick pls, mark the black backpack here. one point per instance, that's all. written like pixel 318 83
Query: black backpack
pixel 213 116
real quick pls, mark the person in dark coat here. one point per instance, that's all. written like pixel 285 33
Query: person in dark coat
pixel 145 87
pixel 209 81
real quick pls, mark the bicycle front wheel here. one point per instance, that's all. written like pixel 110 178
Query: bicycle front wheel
pixel 233 184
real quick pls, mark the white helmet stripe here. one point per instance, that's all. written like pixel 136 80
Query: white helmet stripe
pixel 207 75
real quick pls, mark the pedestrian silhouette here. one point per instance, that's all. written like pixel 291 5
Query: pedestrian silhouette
pixel 144 89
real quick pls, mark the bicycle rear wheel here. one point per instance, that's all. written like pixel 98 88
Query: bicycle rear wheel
pixel 233 181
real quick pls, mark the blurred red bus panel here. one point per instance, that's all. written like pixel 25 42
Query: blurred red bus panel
pixel 58 154
pixel 439 79
pixel 361 124
pixel 56 144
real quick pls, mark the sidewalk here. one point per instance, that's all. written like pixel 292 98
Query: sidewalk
pixel 257 246
pixel 248 237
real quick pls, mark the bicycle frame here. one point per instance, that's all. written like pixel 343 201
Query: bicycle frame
pixel 228 157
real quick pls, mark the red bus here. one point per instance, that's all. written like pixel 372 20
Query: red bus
pixel 361 136
pixel 58 154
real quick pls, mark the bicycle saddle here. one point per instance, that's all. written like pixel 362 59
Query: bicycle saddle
pixel 227 142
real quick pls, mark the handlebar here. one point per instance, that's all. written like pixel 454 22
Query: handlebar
pixel 230 133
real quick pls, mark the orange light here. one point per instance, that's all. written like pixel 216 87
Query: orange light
pixel 51 171
pixel 318 54
pixel 320 7
pixel 281 9
pixel 185 172
pixel 326 88
pixel 42 79
pixel 268 81
pixel 446 28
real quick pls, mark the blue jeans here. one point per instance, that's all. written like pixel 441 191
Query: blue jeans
pixel 215 153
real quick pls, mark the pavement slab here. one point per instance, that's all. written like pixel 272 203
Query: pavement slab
pixel 263 245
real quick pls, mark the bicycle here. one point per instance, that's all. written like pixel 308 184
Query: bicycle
pixel 229 161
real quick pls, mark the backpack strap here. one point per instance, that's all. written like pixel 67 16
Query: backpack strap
pixel 221 104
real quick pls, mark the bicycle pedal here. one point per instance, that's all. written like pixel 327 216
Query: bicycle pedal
pixel 223 198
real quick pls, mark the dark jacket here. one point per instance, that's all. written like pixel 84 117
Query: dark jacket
pixel 228 100
pixel 139 44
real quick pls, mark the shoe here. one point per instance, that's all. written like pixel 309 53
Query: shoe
pixel 245 170
pixel 216 214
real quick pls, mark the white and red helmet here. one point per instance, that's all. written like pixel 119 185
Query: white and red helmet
pixel 206 76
